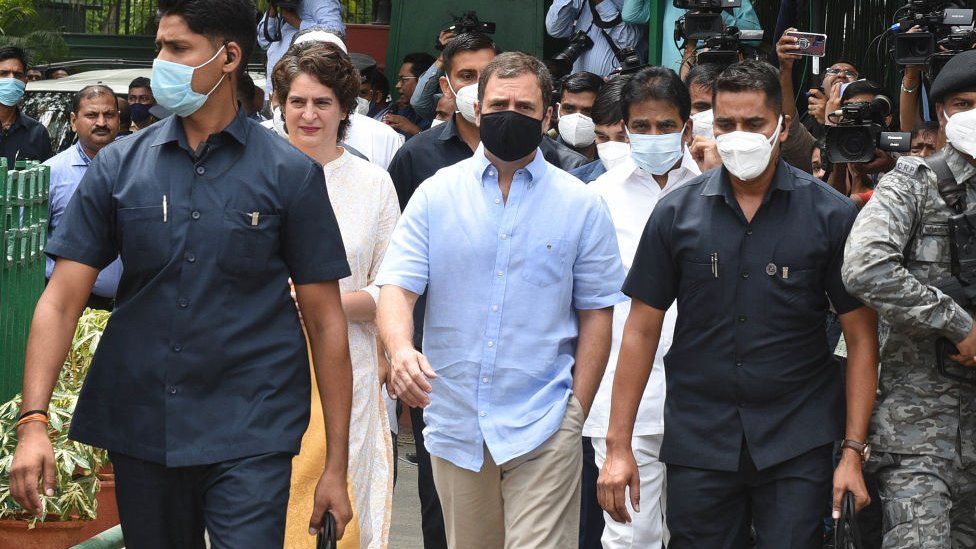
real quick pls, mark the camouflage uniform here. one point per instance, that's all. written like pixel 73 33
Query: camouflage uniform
pixel 923 430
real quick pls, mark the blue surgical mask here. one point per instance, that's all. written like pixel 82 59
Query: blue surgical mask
pixel 172 86
pixel 656 154
pixel 11 91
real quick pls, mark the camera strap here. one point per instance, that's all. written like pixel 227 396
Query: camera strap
pixel 952 192
pixel 599 22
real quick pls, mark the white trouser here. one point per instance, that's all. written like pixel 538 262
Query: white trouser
pixel 646 529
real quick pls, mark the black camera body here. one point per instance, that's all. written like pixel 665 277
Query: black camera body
pixel 465 23
pixel 938 24
pixel 630 62
pixel 563 61
pixel 706 4
pixel 860 132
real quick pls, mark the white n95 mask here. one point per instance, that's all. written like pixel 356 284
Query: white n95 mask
pixel 577 130
pixel 612 153
pixel 960 131
pixel 746 154
pixel 465 99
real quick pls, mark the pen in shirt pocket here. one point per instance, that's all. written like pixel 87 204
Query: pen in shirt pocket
pixel 165 209
pixel 715 264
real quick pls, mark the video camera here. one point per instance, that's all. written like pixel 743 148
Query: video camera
pixel 703 20
pixel 861 131
pixel 940 27
pixel 465 23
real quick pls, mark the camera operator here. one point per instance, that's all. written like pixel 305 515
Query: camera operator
pixel 612 145
pixel 284 18
pixel 841 72
pixel 574 109
pixel 858 179
pixel 596 30
pixel 899 259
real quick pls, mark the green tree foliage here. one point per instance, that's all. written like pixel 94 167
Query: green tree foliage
pixel 22 25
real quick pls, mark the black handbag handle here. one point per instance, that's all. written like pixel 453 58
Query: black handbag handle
pixel 327 536
pixel 847 534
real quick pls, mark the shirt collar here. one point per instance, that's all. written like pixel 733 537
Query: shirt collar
pixel 536 168
pixel 82 158
pixel 449 129
pixel 172 129
pixel 718 183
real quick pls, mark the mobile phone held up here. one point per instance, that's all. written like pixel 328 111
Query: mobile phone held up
pixel 811 44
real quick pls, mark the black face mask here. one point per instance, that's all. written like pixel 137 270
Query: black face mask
pixel 510 135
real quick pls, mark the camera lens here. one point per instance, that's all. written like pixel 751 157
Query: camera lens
pixel 855 144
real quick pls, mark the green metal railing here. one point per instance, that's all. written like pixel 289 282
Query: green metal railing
pixel 23 233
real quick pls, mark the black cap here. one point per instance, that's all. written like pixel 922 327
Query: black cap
pixel 957 75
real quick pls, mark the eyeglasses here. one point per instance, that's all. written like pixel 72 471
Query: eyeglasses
pixel 400 79
pixel 845 72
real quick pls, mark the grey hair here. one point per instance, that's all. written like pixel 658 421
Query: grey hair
pixel 512 65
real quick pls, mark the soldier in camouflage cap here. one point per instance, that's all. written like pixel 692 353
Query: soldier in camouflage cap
pixel 924 427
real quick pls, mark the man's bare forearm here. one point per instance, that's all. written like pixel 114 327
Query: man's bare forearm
pixel 394 317
pixel 592 352
pixel 860 333
pixel 329 341
pixel 641 335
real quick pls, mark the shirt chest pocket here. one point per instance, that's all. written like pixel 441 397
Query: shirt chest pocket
pixel 796 296
pixel 249 243
pixel 700 292
pixel 545 261
pixel 145 245
pixel 932 244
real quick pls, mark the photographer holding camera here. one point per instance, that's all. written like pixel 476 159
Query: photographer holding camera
pixel 284 18
pixel 900 253
pixel 596 31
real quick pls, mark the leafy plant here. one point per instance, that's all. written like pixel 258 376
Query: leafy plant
pixel 76 464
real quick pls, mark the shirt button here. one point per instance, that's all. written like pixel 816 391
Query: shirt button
pixel 483 414
pixel 177 348
pixel 195 214
pixel 172 390
pixel 182 302
pixel 504 236
pixel 491 172
pixel 745 275
pixel 484 380
pixel 491 343
pixel 201 170
pixel 494 308
pixel 742 318
pixel 748 232
pixel 498 201
pixel 190 257
pixel 500 273
pixel 738 364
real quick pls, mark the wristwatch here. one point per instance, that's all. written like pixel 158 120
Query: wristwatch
pixel 862 449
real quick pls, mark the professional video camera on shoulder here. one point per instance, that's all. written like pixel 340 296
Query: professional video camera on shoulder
pixel 704 18
pixel 859 130
pixel 945 31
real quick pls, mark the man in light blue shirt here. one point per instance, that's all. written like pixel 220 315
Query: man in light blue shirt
pixel 521 267
pixel 278 26
pixel 95 118
pixel 565 17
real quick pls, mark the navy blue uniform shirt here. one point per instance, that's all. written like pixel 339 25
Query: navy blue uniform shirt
pixel 25 139
pixel 203 359
pixel 749 356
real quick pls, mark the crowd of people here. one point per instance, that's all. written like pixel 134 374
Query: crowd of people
pixel 622 308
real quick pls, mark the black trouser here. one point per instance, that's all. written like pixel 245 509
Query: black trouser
pixel 785 503
pixel 241 503
pixel 591 514
pixel 431 516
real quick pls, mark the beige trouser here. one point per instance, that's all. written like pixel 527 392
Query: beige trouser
pixel 532 501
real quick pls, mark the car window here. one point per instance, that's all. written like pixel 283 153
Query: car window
pixel 52 109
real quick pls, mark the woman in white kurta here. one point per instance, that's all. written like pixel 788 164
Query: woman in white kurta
pixel 318 88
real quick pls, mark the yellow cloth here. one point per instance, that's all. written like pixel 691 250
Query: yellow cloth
pixel 307 467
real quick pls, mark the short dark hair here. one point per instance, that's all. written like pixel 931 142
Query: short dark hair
pixel 925 127
pixel 656 83
pixel 328 64
pixel 419 62
pixel 125 114
pixel 581 82
pixel 218 20
pixel 90 92
pixel 49 72
pixel 860 87
pixel 377 80
pixel 751 75
pixel 512 65
pixel 469 41
pixel 703 75
pixel 606 107
pixel 140 82
pixel 13 52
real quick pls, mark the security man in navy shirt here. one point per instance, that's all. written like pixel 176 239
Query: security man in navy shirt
pixel 21 137
pixel 752 253
pixel 200 387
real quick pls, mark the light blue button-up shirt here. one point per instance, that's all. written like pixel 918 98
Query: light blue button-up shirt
pixel 504 280
pixel 567 16
pixel 67 169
